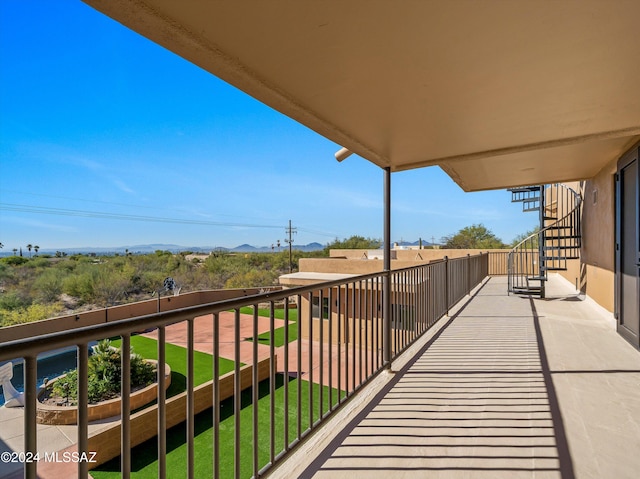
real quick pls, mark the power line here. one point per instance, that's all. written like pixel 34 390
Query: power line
pixel 119 216
pixel 321 233
pixel 128 205
pixel 143 218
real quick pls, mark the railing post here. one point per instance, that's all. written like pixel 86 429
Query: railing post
pixel 446 283
pixel 162 405
pixel 83 407
pixel 386 284
pixel 30 412
pixel 542 266
pixel 125 406
pixel 468 274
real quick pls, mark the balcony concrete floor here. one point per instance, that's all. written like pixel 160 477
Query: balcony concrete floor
pixel 510 387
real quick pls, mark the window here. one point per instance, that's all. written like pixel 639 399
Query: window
pixel 315 307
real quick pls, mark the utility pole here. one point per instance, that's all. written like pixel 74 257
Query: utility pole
pixel 290 231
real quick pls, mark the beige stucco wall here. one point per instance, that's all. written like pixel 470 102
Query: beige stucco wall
pixel 351 262
pixel 352 328
pixel 424 255
pixel 595 272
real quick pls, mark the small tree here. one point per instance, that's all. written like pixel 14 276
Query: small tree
pixel 353 242
pixel 473 237
pixel 29 246
pixel 523 236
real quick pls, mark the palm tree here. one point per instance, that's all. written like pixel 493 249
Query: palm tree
pixel 29 246
pixel 1 246
pixel 36 248
pixel 15 251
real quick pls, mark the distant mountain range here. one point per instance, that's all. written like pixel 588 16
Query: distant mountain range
pixel 174 248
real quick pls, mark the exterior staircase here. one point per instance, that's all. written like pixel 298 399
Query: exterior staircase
pixel 556 242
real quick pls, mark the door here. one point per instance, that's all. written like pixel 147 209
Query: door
pixel 628 247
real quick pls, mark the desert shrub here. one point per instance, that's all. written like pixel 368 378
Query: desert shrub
pixel 13 300
pixel 105 373
pixel 109 284
pixel 33 312
pixel 49 285
pixel 38 262
pixel 67 386
pixel 14 260
pixel 252 279
pixel 79 285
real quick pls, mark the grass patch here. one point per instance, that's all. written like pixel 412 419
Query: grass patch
pixel 278 334
pixel 144 462
pixel 176 358
pixel 266 312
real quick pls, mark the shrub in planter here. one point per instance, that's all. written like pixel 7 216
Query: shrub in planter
pixel 105 372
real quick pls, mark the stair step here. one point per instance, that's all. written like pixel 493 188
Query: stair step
pixel 536 278
pixel 561 227
pixel 561 248
pixel 527 210
pixel 556 269
pixel 559 258
pixel 523 189
pixel 549 238
pixel 526 291
pixel 526 288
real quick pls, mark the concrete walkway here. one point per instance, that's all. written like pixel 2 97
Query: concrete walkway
pixel 50 439
pixel 511 387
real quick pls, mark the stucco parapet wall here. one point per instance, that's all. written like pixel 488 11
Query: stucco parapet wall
pixel 308 278
pixel 125 311
pixel 355 266
pixel 414 255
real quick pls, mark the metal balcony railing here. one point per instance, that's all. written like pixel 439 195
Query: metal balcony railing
pixel 339 347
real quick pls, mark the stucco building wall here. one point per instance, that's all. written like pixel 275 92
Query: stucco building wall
pixel 594 274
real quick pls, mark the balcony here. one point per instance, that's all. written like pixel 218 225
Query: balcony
pixel 506 386
pixel 468 381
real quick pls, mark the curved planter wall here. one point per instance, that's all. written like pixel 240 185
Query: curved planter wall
pixel 60 415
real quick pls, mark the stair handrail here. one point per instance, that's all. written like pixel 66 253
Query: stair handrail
pixel 516 280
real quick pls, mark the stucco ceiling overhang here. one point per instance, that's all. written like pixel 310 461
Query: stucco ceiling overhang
pixel 497 93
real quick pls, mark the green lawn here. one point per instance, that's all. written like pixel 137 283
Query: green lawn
pixel 265 338
pixel 144 463
pixel 277 313
pixel 176 358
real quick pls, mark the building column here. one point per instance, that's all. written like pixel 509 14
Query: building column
pixel 386 285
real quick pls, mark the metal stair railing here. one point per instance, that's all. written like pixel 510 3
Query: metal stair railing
pixel 552 246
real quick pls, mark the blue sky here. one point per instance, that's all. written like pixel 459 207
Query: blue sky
pixel 107 139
